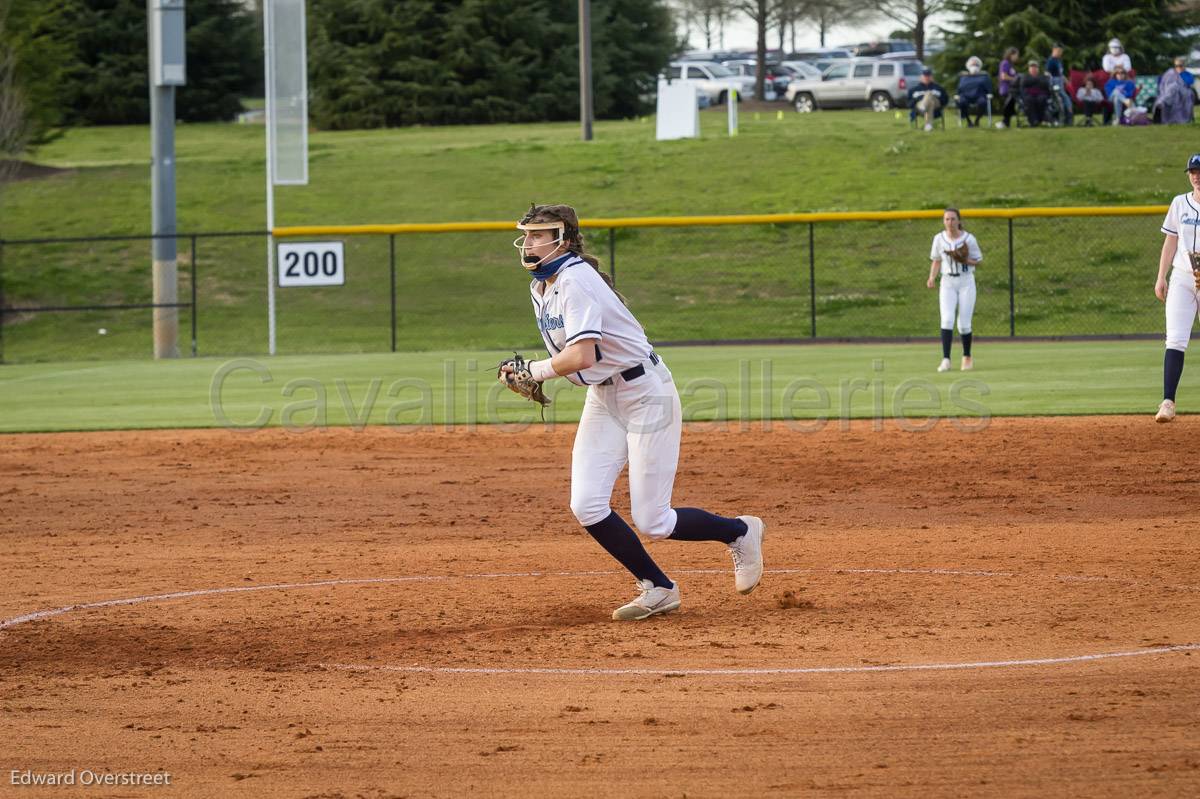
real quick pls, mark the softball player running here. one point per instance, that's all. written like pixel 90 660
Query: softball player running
pixel 1181 250
pixel 955 254
pixel 631 414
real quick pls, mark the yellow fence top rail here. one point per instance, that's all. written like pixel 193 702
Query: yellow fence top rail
pixel 736 219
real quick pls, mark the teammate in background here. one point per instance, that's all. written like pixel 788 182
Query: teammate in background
pixel 631 414
pixel 955 254
pixel 1181 250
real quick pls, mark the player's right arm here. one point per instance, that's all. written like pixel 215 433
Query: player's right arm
pixel 1164 264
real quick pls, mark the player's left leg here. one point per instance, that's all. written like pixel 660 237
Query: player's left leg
pixel 655 424
pixel 966 311
pixel 597 459
pixel 1181 310
pixel 947 305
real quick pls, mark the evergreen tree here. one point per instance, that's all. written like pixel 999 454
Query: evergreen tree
pixel 86 61
pixel 434 62
pixel 1148 29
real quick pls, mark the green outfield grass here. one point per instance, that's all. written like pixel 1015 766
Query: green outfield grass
pixel 723 383
pixel 466 291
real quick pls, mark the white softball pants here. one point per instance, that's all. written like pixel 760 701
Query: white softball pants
pixel 957 294
pixel 638 423
pixel 1182 307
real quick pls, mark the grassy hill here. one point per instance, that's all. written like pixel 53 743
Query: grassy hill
pixel 466 291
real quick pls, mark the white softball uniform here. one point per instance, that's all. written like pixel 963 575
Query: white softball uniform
pixel 632 412
pixel 957 290
pixel 1183 221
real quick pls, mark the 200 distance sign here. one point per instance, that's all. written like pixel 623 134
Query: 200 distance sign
pixel 316 263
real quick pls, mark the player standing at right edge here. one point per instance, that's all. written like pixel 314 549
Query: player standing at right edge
pixel 1181 249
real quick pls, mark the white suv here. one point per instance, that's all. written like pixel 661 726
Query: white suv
pixel 874 83
pixel 712 79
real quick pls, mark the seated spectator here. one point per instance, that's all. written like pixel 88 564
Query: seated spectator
pixel 973 91
pixel 1007 77
pixel 926 98
pixel 1056 72
pixel 1175 98
pixel 1116 57
pixel 1089 98
pixel 1120 91
pixel 1034 90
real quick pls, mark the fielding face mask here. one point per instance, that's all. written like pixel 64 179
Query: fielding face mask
pixel 532 262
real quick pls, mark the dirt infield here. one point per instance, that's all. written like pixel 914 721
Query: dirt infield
pixel 1009 612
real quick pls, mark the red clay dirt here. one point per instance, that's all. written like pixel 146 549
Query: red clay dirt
pixel 1031 539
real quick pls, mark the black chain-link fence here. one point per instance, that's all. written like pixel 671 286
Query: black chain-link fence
pixel 1052 276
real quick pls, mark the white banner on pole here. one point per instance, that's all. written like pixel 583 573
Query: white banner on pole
pixel 287 89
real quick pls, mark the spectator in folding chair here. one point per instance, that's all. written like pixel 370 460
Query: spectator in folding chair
pixel 927 98
pixel 1120 91
pixel 974 93
pixel 1007 77
pixel 1116 57
pixel 1175 99
pixel 1034 89
pixel 1090 99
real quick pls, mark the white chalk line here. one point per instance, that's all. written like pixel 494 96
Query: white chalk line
pixel 566 671
pixel 730 672
pixel 431 578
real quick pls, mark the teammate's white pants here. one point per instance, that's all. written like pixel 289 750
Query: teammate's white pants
pixel 957 293
pixel 638 423
pixel 1182 307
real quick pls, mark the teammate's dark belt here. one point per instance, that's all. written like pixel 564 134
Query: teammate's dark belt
pixel 632 373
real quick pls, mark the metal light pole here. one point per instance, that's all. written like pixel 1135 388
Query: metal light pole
pixel 585 68
pixel 167 70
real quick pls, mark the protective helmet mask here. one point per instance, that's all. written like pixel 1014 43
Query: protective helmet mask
pixel 532 262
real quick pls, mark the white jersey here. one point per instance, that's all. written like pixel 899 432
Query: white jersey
pixel 942 243
pixel 579 306
pixel 1183 220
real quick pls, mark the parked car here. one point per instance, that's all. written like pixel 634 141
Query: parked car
pixel 712 79
pixel 778 74
pixel 708 55
pixel 794 70
pixel 862 82
pixel 820 54
pixel 867 49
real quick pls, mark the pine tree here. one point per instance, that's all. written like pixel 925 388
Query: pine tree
pixel 1148 30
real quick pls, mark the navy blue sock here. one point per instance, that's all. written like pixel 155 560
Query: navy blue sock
pixel 620 541
pixel 966 339
pixel 694 524
pixel 1172 371
pixel 947 338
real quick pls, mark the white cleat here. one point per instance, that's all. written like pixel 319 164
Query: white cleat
pixel 967 363
pixel 652 601
pixel 747 555
pixel 944 366
pixel 1166 412
pixel 999 125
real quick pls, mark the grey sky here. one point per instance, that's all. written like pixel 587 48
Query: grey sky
pixel 740 34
